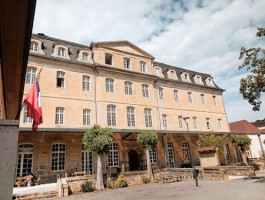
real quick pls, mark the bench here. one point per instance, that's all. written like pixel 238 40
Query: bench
pixel 38 180
pixel 172 178
pixel 23 180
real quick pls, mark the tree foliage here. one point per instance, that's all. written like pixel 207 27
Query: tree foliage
pixel 211 140
pixel 253 85
pixel 98 139
pixel 242 141
pixel 148 139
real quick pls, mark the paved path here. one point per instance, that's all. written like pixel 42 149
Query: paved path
pixel 244 189
pixel 34 189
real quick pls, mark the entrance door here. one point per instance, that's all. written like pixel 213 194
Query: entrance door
pixel 133 160
pixel 24 160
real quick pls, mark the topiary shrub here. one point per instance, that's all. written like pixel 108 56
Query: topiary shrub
pixel 145 179
pixel 120 181
pixel 87 187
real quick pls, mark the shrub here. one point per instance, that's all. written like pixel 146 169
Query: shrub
pixel 256 166
pixel 240 164
pixel 145 179
pixel 87 187
pixel 108 183
pixel 121 182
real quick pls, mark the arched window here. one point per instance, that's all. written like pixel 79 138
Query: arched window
pixel 128 88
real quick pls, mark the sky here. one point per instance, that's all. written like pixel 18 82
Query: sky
pixel 201 35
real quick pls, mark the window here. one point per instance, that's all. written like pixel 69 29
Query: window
pixel 113 155
pixel 131 116
pixel 172 74
pixel 85 56
pixel 164 118
pixel 214 101
pixel 31 75
pixel 109 85
pixel 24 159
pixel 170 156
pixel 220 124
pixel 157 71
pixel 208 123
pixel 176 95
pixel 194 123
pixel 202 99
pixel 199 79
pixel 59 118
pixel 227 154
pixel 87 160
pixel 153 157
pixel 161 95
pixel 61 51
pixel 108 59
pixel 145 90
pixel 210 82
pixel 189 97
pixel 60 79
pixel 58 157
pixel 85 83
pixel 111 115
pixel 185 151
pixel 26 120
pixel 126 63
pixel 128 88
pixel 186 77
pixel 180 122
pixel 34 46
pixel 86 117
pixel 148 117
pixel 143 66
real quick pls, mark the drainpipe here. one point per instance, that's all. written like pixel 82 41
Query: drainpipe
pixel 95 89
pixel 261 146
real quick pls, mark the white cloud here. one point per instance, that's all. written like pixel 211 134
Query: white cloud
pixel 201 35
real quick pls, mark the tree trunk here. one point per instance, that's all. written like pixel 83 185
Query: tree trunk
pixel 99 184
pixel 149 167
pixel 244 158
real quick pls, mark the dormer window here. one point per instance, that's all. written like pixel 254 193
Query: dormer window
pixel 199 79
pixel 61 51
pixel 186 77
pixel 158 71
pixel 210 82
pixel 34 46
pixel 126 63
pixel 85 57
pixel 172 74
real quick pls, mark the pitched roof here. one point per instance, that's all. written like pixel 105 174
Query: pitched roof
pixel 211 148
pixel 262 130
pixel 243 126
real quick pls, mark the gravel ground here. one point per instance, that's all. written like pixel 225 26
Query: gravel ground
pixel 250 188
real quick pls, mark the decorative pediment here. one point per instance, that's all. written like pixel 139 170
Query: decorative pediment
pixel 131 137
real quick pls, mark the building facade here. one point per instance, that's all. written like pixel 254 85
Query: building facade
pixel 117 85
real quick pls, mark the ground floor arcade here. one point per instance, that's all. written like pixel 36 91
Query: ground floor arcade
pixel 51 153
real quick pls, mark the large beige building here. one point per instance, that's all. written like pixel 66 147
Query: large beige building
pixel 117 85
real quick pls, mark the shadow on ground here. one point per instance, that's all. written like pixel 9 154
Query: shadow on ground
pixel 256 179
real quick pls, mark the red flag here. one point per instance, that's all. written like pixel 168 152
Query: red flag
pixel 33 102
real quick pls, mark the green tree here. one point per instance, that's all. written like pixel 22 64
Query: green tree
pixel 148 140
pixel 253 85
pixel 211 140
pixel 243 143
pixel 98 139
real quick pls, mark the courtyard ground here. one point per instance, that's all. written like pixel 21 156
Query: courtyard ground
pixel 244 188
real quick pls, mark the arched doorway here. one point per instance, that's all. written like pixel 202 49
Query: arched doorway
pixel 133 160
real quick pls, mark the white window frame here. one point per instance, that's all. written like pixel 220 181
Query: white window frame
pixel 59 116
pixel 111 115
pixel 114 155
pixel 208 125
pixel 143 67
pixel 61 51
pixel 87 161
pixel 59 154
pixel 195 125
pixel 170 155
pixel 86 83
pixel 109 85
pixel 24 150
pixel 153 157
pixel 180 121
pixel 158 71
pixel 145 91
pixel 190 97
pixel 26 119
pixel 85 56
pixel 172 74
pixel 131 116
pixel 185 150
pixel 176 95
pixel 126 63
pixel 220 124
pixel 214 101
pixel 148 117
pixel 31 75
pixel 164 120
pixel 34 46
pixel 199 79
pixel 86 117
pixel 128 88
pixel 203 99
pixel 60 77
pixel 161 94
